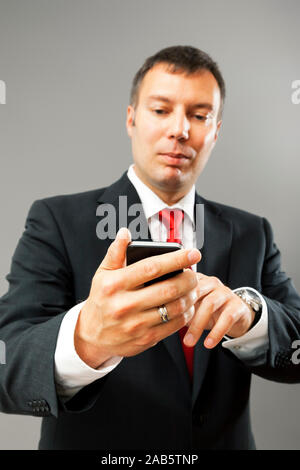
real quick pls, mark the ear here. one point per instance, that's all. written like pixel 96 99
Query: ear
pixel 216 134
pixel 217 130
pixel 130 119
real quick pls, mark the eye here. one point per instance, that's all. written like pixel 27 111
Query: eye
pixel 159 111
pixel 199 117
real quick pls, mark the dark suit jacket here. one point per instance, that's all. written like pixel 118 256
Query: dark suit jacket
pixel 147 401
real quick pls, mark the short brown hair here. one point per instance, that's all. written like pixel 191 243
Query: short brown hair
pixel 180 58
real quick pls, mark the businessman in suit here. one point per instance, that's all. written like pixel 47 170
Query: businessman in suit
pixel 113 364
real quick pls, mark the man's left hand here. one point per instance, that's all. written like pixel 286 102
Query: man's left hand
pixel 220 310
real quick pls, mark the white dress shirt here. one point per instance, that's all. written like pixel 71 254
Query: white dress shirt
pixel 72 374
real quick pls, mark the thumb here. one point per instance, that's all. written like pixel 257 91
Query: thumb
pixel 115 257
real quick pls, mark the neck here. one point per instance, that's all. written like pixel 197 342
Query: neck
pixel 170 198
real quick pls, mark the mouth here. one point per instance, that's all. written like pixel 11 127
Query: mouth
pixel 175 158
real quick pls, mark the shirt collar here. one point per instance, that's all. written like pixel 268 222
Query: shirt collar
pixel 152 204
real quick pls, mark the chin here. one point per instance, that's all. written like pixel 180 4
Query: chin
pixel 175 174
pixel 173 181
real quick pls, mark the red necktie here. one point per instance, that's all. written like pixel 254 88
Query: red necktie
pixel 172 220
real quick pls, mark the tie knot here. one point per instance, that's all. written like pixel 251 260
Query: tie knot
pixel 172 220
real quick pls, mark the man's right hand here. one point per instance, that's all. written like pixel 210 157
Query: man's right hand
pixel 120 316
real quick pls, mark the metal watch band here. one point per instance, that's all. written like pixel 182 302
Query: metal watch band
pixel 251 299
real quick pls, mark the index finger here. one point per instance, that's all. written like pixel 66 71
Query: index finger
pixel 155 266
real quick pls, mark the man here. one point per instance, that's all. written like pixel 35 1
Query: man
pixel 113 364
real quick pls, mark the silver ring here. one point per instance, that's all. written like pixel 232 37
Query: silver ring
pixel 163 313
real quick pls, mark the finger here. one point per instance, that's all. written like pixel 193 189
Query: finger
pixel 155 266
pixel 206 284
pixel 163 330
pixel 227 319
pixel 116 254
pixel 210 324
pixel 183 304
pixel 210 304
pixel 175 309
pixel 147 336
pixel 163 292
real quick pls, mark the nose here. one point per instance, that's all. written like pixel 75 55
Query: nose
pixel 179 127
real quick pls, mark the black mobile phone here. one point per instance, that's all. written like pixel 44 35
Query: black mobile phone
pixel 137 251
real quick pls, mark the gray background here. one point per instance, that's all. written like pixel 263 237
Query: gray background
pixel 68 67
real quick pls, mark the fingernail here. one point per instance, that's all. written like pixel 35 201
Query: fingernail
pixel 189 340
pixel 209 342
pixel 193 256
pixel 123 233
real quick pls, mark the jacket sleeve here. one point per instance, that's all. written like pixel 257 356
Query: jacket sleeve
pixel 39 295
pixel 279 361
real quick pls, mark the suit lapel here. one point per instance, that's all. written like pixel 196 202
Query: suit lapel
pixel 123 196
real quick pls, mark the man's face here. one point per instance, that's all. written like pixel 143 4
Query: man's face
pixel 173 129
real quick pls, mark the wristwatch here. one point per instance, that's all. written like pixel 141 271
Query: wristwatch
pixel 253 300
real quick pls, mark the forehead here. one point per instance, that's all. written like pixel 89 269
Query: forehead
pixel 180 86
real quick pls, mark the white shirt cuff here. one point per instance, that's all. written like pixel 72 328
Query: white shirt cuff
pixel 245 346
pixel 71 372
